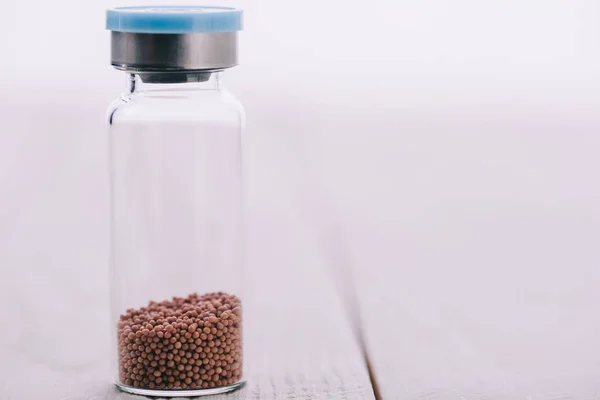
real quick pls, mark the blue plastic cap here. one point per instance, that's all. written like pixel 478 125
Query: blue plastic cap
pixel 174 19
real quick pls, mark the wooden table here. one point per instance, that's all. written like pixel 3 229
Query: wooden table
pixel 299 336
pixel 299 343
pixel 464 266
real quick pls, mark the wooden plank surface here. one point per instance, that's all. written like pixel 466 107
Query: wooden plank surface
pixel 469 268
pixel 299 342
pixel 482 281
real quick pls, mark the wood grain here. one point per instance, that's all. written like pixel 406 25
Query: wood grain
pixel 485 285
pixel 54 293
pixel 298 341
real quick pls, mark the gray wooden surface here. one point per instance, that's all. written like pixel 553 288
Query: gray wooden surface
pixel 54 343
pixel 298 341
pixel 465 266
pixel 485 285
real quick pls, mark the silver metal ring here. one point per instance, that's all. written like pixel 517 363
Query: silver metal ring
pixel 152 52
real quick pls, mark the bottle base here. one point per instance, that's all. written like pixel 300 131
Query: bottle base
pixel 179 392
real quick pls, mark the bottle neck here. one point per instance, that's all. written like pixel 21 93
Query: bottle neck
pixel 170 81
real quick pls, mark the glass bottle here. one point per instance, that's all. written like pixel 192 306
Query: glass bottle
pixel 176 202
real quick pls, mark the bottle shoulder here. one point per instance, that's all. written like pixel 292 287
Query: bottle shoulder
pixel 210 106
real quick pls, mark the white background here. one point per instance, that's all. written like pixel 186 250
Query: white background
pixel 466 127
pixel 355 85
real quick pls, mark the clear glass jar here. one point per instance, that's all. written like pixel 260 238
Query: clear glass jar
pixel 176 226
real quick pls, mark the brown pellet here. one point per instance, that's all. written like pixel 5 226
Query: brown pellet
pixel 183 343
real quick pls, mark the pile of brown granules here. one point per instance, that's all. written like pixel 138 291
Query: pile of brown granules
pixel 186 343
